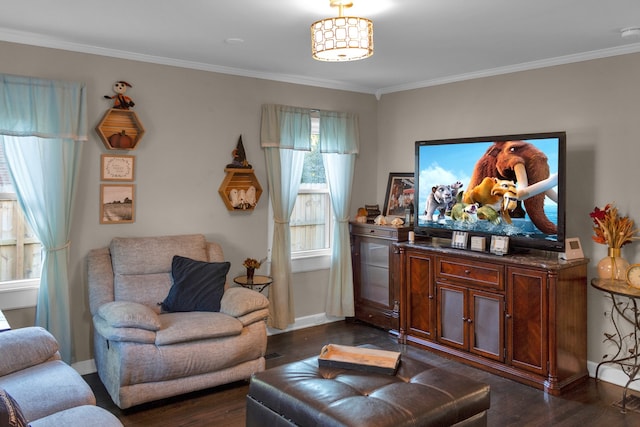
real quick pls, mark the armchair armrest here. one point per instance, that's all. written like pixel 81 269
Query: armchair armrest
pixel 126 314
pixel 127 321
pixel 238 302
pixel 26 347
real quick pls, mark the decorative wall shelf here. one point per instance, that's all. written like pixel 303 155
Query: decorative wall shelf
pixel 116 126
pixel 240 180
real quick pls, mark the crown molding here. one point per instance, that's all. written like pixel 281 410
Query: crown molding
pixel 41 41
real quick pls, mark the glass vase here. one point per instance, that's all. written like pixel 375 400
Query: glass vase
pixel 613 266
pixel 250 272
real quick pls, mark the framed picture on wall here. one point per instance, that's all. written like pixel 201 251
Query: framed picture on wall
pixel 399 194
pixel 117 203
pixel 117 167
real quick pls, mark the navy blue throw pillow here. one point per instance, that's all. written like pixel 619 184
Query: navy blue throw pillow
pixel 197 285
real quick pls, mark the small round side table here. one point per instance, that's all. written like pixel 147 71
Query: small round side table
pixel 624 302
pixel 258 283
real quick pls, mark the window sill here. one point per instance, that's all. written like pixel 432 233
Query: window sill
pixel 19 294
pixel 311 263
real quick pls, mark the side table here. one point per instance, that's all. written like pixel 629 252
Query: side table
pixel 258 283
pixel 624 301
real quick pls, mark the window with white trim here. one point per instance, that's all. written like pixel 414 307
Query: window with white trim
pixel 20 250
pixel 311 222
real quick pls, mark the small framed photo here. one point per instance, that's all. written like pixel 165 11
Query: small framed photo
pixel 459 239
pixel 117 167
pixel 117 203
pixel 399 195
pixel 478 243
pixel 572 249
pixel 499 245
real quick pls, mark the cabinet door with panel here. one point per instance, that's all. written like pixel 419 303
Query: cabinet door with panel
pixel 471 320
pixel 420 297
pixel 375 266
pixel 527 318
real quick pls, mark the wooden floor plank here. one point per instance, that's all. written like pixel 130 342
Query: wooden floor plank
pixel 512 404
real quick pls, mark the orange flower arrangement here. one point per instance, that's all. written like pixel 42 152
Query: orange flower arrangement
pixel 611 229
pixel 253 263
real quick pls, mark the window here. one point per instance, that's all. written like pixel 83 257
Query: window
pixel 20 250
pixel 310 221
pixel 311 224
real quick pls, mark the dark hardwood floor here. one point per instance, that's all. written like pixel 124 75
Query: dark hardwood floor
pixel 512 404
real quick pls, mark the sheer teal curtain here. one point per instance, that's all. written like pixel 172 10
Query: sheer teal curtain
pixel 339 143
pixel 285 135
pixel 42 125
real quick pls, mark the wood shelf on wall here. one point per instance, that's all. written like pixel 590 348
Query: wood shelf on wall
pixel 239 179
pixel 116 122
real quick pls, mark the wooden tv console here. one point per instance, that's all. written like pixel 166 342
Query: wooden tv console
pixel 523 316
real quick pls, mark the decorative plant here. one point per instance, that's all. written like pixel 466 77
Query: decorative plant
pixel 253 263
pixel 611 229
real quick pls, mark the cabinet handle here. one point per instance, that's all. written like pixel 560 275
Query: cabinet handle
pixel 469 320
pixel 467 272
pixel 430 296
pixel 372 231
pixel 508 316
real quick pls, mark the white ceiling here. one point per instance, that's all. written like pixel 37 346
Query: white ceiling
pixel 417 42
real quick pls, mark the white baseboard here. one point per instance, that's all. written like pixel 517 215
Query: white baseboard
pixel 306 322
pixel 85 367
pixel 89 366
pixel 611 374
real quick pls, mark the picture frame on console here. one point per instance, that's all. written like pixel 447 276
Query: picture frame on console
pixel 399 195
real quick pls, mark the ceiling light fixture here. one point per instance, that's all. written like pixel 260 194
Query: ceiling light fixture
pixel 343 38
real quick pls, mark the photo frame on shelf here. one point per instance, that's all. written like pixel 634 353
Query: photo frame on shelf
pixel 117 167
pixel 478 243
pixel 572 249
pixel 399 195
pixel 499 245
pixel 459 239
pixel 117 203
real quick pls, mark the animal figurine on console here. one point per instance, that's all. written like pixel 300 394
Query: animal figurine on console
pixel 380 220
pixel 442 198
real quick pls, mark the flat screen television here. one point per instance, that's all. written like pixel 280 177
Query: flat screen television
pixel 508 185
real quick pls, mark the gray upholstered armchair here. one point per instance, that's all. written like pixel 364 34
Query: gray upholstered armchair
pixel 144 354
pixel 36 386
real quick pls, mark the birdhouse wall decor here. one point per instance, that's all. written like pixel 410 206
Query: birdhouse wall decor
pixel 240 189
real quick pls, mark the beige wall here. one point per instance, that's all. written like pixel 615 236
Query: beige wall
pixel 192 121
pixel 595 102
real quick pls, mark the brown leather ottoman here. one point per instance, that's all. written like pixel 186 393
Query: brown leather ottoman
pixel 304 394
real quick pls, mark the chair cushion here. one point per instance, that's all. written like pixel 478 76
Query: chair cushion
pixel 196 325
pixel 197 285
pixel 10 412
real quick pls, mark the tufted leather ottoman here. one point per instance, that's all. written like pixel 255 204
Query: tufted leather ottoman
pixel 304 394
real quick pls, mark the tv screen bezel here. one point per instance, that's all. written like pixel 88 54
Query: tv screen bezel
pixel 516 243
